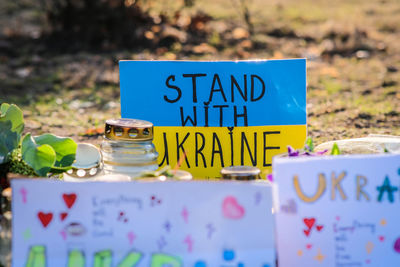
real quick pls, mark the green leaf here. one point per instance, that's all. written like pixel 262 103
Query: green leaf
pixel 40 157
pixel 310 144
pixel 335 149
pixel 9 140
pixel 65 149
pixel 55 170
pixel 11 127
pixel 4 107
pixel 14 114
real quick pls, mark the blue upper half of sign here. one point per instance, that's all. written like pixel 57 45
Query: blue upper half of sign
pixel 215 93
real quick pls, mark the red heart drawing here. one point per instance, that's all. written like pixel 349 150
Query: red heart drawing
pixel 337 218
pixel 381 238
pixel 45 218
pixel 69 199
pixel 308 246
pixel 307 232
pixel 319 227
pixel 231 209
pixel 309 222
pixel 63 215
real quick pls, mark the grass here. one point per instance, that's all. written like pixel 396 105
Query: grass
pixel 341 86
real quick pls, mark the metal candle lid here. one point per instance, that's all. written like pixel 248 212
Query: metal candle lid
pixel 129 130
pixel 87 162
pixel 240 173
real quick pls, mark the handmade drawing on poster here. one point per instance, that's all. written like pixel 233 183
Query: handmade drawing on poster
pixel 338 211
pixel 142 224
pixel 217 114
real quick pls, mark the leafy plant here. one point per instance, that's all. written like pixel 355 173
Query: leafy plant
pixel 17 165
pixel 11 127
pixel 166 171
pixel 309 145
pixel 335 149
pixel 29 155
pixel 308 150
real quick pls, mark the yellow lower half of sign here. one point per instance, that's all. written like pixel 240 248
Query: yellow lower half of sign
pixel 203 151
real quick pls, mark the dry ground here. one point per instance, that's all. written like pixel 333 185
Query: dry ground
pixel 352 48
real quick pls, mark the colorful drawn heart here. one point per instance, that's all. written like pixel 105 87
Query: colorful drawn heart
pixel 63 215
pixel 231 209
pixel 381 238
pixel 397 245
pixel 309 246
pixel 307 232
pixel 45 218
pixel 309 222
pixel 69 199
pixel 319 227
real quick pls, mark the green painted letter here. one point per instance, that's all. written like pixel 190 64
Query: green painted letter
pixel 103 258
pixel 37 257
pixel 130 260
pixel 160 260
pixel 76 258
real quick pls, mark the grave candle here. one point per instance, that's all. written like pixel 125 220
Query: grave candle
pixel 127 147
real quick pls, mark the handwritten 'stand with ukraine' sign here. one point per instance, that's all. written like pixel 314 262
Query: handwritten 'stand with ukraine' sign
pixel 218 114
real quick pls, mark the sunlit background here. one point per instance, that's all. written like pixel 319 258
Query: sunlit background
pixel 59 58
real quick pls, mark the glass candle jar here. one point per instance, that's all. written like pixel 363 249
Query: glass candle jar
pixel 128 148
pixel 240 173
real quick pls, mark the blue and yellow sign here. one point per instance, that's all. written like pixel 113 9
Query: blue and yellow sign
pixel 217 114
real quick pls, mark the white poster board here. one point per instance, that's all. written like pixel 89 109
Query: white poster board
pixel 142 224
pixel 338 211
